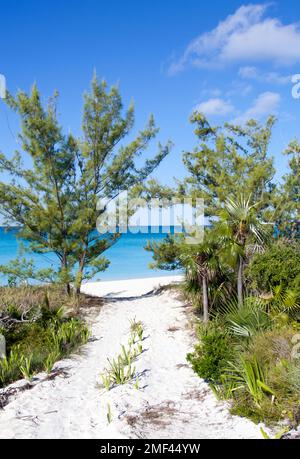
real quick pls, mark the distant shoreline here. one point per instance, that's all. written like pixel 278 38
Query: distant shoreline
pixel 125 288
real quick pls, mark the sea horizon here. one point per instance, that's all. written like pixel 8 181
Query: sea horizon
pixel 128 258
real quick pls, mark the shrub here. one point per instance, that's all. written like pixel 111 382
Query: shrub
pixel 272 346
pixel 278 397
pixel 211 355
pixel 46 335
pixel 278 265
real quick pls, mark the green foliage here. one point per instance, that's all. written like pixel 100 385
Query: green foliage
pixel 278 265
pixel 109 414
pixel 248 374
pixel 50 360
pixel 56 201
pixel 165 253
pixel 21 271
pixel 246 319
pixel 36 348
pixel 246 353
pixel 25 367
pixel 277 436
pixel 288 201
pixel 229 161
pixel 120 369
pixel 37 339
pixel 137 329
pixel 212 353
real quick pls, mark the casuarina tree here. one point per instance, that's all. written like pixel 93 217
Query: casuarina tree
pixel 57 179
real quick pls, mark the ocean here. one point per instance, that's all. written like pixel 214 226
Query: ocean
pixel 128 258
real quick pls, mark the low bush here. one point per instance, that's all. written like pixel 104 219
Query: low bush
pixel 279 265
pixel 211 355
pixel 34 347
pixel 37 331
pixel 279 398
pixel 247 358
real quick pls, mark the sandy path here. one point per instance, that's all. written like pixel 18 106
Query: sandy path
pixel 171 403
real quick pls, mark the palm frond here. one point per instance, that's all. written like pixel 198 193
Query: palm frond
pixel 247 319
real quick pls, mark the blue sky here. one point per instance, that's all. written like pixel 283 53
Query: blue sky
pixel 231 59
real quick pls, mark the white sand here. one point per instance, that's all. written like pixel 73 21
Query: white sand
pixel 128 288
pixel 172 402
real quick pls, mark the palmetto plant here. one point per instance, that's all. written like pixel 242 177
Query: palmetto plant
pixel 284 300
pixel 202 265
pixel 240 229
pixel 246 319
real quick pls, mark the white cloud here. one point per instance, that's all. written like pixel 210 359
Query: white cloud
pixel 239 88
pixel 266 103
pixel 252 73
pixel 246 35
pixel 215 106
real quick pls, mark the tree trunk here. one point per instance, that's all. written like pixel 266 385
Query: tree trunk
pixel 64 267
pixel 78 290
pixel 205 299
pixel 79 277
pixel 240 281
pixel 68 289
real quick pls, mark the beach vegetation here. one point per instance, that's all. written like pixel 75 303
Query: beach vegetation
pixel 60 199
pixel 109 414
pixel 38 331
pixel 120 369
pixel 244 276
pixel 279 265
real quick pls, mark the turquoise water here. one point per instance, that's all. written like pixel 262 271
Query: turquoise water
pixel 128 258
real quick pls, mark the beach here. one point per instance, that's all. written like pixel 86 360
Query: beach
pixel 170 401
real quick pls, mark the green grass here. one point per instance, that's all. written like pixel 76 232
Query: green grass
pixel 48 334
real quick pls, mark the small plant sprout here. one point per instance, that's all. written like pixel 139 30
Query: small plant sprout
pixel 134 325
pixel 132 339
pixel 130 373
pixel 140 332
pixel 109 414
pixel 117 372
pixel 137 330
pixel 50 360
pixel 126 355
pixel 137 384
pixel 25 367
pixel 4 369
pixel 106 381
pixel 277 436
pixel 120 369
pixel 85 335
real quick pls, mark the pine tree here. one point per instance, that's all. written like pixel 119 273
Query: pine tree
pixel 229 162
pixel 289 202
pixel 55 199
